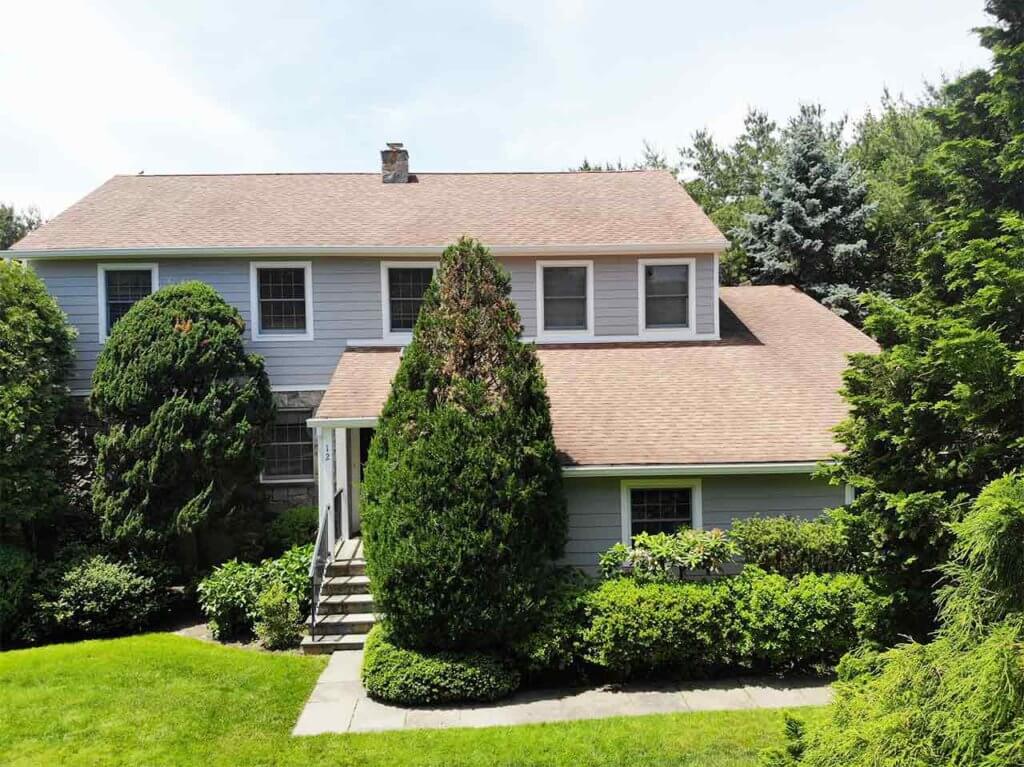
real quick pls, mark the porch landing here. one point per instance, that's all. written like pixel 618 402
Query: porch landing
pixel 339 703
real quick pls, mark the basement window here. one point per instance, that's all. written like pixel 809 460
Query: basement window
pixel 289 450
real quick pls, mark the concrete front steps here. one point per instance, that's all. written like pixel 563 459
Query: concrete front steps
pixel 345 613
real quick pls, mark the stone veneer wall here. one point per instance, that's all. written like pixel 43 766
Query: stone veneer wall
pixel 285 496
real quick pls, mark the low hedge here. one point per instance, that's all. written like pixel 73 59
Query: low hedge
pixel 755 621
pixel 410 677
pixel 793 546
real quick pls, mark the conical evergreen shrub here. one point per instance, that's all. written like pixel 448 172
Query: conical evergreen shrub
pixel 463 509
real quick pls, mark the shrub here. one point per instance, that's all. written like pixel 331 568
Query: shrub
pixel 229 596
pixel 15 577
pixel 184 410
pixel 293 527
pixel 410 677
pixel 277 625
pixel 753 621
pixel 791 546
pixel 102 597
pixel 35 357
pixel 463 505
pixel 555 646
pixel 663 557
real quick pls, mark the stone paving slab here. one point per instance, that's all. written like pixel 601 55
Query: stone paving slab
pixel 339 703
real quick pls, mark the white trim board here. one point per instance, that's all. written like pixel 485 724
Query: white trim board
pixel 628 485
pixel 693 469
pixel 389 337
pixel 667 334
pixel 242 251
pixel 254 305
pixel 101 288
pixel 586 333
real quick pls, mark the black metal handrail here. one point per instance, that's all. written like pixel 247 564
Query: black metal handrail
pixel 317 568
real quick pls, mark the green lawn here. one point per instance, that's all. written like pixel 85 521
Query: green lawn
pixel 163 699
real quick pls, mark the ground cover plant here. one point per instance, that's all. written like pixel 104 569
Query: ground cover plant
pixel 161 699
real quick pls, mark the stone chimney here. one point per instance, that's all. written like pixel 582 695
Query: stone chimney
pixel 394 164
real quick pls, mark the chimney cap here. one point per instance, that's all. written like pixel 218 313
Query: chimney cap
pixel 395 145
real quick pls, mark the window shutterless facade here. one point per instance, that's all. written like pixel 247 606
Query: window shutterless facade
pixel 667 306
pixel 660 506
pixel 403 285
pixel 565 298
pixel 120 287
pixel 289 449
pixel 282 300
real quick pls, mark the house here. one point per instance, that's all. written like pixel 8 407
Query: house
pixel 675 402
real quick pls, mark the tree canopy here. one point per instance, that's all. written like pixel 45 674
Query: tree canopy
pixel 14 224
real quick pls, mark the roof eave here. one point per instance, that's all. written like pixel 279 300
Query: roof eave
pixel 235 251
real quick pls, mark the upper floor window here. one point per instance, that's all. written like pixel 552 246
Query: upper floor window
pixel 120 287
pixel 403 285
pixel 660 506
pixel 289 448
pixel 666 296
pixel 565 297
pixel 282 300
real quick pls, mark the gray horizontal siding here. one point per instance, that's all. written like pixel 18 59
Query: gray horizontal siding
pixel 595 511
pixel 346 305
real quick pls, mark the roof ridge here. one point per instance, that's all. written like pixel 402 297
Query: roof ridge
pixel 377 173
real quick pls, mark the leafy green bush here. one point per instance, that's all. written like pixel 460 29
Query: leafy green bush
pixel 15 577
pixel 277 625
pixel 555 645
pixel 960 699
pixel 101 597
pixel 754 621
pixel 410 677
pixel 463 506
pixel 792 546
pixel 229 596
pixel 296 526
pixel 661 557
pixel 35 357
pixel 184 411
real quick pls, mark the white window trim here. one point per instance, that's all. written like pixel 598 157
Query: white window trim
pixel 254 300
pixel 297 479
pixel 691 299
pixel 385 293
pixel 101 281
pixel 554 335
pixel 627 485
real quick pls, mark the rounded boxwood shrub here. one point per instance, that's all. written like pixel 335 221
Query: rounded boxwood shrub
pixel 184 410
pixel 278 625
pixel 463 505
pixel 102 597
pixel 396 675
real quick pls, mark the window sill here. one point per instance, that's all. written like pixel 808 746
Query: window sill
pixel 287 480
pixel 264 337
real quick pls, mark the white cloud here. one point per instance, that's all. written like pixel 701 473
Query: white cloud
pixel 86 100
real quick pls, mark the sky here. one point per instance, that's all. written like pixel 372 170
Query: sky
pixel 100 88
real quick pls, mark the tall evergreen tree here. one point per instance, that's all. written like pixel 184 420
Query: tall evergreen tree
pixel 184 410
pixel 940 412
pixel 812 232
pixel 463 508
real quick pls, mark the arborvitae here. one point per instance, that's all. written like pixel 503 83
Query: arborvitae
pixel 463 509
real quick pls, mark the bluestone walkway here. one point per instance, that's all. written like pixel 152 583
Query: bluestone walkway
pixel 339 703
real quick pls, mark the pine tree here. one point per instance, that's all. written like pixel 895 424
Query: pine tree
pixel 940 412
pixel 812 231
pixel 463 509
pixel 184 411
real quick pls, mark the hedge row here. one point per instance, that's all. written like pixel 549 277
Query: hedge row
pixel 622 628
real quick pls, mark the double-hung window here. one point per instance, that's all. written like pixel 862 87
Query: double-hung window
pixel 565 298
pixel 121 286
pixel 660 506
pixel 403 285
pixel 282 300
pixel 289 449
pixel 666 296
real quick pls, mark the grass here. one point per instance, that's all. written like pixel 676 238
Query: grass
pixel 162 699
